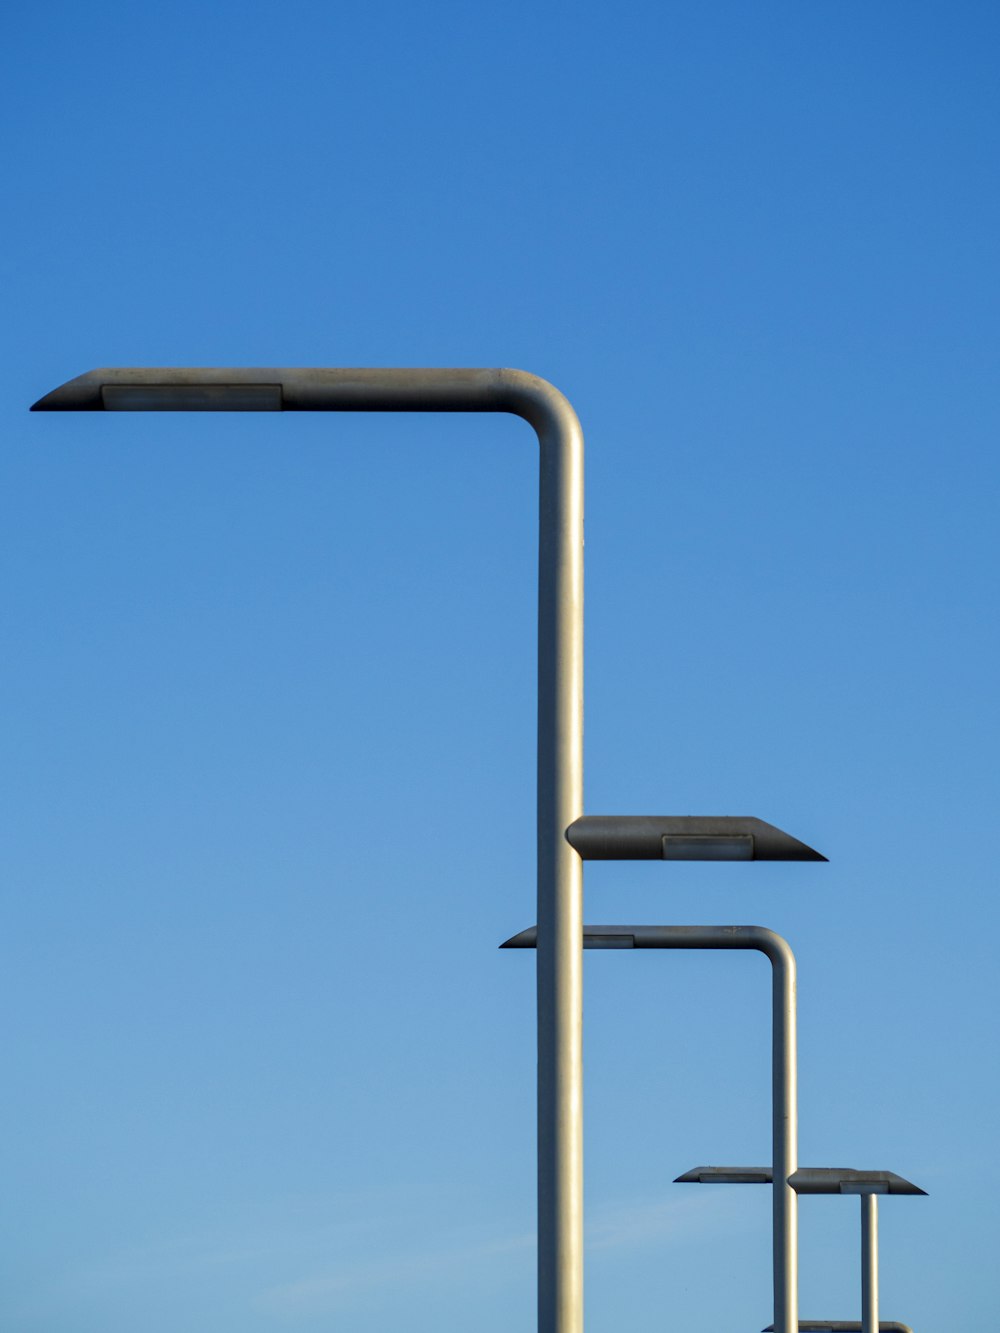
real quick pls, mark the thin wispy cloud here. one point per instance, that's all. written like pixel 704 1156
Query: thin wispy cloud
pixel 614 1225
pixel 330 1264
pixel 207 1256
pixel 647 1221
pixel 325 1291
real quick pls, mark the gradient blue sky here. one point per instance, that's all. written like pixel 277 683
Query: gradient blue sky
pixel 269 682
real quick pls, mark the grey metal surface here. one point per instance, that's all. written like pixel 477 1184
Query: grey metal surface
pixel 784 1072
pixel 869 1185
pixel 844 1326
pixel 825 1180
pixel 869 1263
pixel 560 707
pixel 726 1175
pixel 193 398
pixel 684 838
pixel 309 389
pixel 845 1180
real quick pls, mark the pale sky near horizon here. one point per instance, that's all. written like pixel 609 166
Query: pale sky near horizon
pixel 269 681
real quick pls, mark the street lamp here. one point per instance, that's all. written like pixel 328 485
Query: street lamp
pixel 560 706
pixel 784 1063
pixel 684 838
pixel 844 1327
pixel 869 1185
pixel 828 1180
pixel 560 712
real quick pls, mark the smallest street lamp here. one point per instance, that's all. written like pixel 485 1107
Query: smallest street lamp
pixel 845 1326
pixel 827 1180
pixel 869 1185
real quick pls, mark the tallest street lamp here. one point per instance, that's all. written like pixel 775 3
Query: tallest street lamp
pixel 560 707
pixel 565 837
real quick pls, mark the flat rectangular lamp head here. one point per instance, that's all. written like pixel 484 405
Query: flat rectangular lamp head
pixel 726 1175
pixel 845 1180
pixel 298 389
pixel 169 389
pixel 684 838
pixel 845 1326
pixel 594 937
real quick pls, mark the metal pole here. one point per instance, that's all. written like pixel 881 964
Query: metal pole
pixel 784 1071
pixel 784 1136
pixel 784 1090
pixel 869 1263
pixel 560 707
pixel 559 960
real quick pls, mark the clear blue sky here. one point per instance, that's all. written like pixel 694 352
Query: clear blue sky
pixel 268 682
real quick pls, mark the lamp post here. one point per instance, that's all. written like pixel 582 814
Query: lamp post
pixel 784 1066
pixel 845 1326
pixel 560 706
pixel 560 713
pixel 828 1180
pixel 869 1185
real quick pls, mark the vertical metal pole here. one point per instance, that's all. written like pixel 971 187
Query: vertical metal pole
pixel 784 1138
pixel 560 875
pixel 869 1263
pixel 784 1087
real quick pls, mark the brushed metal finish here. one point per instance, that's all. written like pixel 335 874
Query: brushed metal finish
pixel 848 1180
pixel 726 1175
pixel 869 1263
pixel 560 706
pixel 685 838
